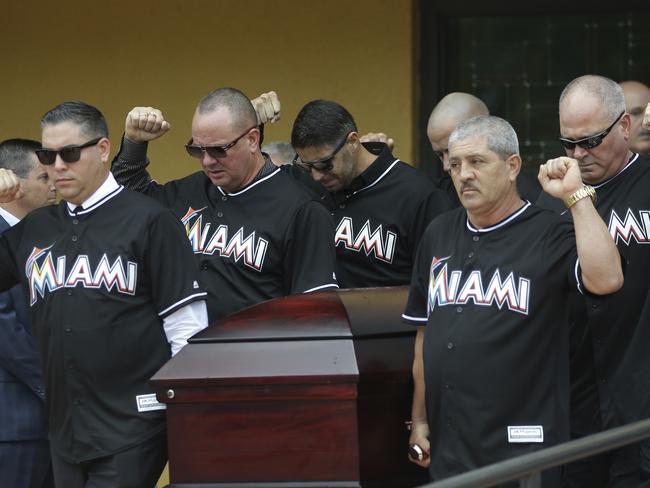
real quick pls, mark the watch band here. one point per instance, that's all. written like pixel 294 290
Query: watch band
pixel 585 191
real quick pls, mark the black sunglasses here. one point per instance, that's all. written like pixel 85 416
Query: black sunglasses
pixel 216 152
pixel 69 154
pixel 591 141
pixel 323 164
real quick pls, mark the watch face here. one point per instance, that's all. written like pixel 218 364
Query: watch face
pixel 415 452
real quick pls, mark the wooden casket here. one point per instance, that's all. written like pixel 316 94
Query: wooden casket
pixel 302 391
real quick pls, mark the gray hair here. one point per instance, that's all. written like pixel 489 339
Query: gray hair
pixel 609 93
pixel 501 137
pixel 15 154
pixel 237 103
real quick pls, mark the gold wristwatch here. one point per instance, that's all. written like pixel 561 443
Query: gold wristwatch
pixel 585 191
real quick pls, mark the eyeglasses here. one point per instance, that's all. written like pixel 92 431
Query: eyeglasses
pixel 216 152
pixel 69 154
pixel 591 141
pixel 323 164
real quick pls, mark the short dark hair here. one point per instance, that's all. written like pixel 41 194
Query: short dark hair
pixel 241 108
pixel 15 155
pixel 89 118
pixel 321 123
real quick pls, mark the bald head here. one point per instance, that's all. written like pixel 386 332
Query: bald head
pixel 453 109
pixel 238 105
pixel 637 98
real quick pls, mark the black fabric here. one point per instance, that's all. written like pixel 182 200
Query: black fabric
pixel 137 467
pixel 379 219
pixel 494 302
pixel 620 322
pixel 267 240
pixel 98 286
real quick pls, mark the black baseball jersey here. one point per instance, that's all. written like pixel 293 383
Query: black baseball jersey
pixel 494 302
pixel 99 284
pixel 379 219
pixel 267 240
pixel 620 323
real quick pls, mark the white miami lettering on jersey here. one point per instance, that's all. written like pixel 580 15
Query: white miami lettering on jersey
pixel 371 242
pixel 46 272
pixel 452 288
pixel 253 251
pixel 630 227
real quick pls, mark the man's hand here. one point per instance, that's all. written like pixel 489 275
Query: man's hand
pixel 560 177
pixel 378 137
pixel 268 108
pixel 646 118
pixel 144 124
pixel 420 436
pixel 9 186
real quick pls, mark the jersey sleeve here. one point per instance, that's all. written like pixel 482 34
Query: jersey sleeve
pixel 129 167
pixel 310 256
pixel 416 311
pixel 561 253
pixel 433 205
pixel 173 270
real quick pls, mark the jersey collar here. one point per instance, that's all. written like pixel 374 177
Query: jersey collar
pixel 633 159
pixel 104 193
pixel 375 172
pixel 513 216
pixel 268 170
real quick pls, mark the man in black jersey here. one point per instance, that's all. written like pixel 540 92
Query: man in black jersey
pixel 256 232
pixel 490 287
pixel 108 305
pixel 595 130
pixel 380 204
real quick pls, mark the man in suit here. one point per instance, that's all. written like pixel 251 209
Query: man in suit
pixel 24 450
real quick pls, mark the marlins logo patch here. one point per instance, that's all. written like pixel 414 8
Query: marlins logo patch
pixel 46 272
pixel 237 246
pixel 453 287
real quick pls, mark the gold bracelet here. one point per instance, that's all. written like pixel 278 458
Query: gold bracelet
pixel 585 191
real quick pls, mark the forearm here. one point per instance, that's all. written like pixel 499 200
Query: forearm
pixel 129 166
pixel 599 259
pixel 418 410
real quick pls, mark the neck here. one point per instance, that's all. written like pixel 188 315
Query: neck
pixel 15 209
pixel 493 216
pixel 256 167
pixel 364 160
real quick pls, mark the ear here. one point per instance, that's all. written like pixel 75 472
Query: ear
pixel 253 140
pixel 514 166
pixel 626 123
pixel 104 147
pixel 354 141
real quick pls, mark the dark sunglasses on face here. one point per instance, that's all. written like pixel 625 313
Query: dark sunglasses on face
pixel 216 152
pixel 69 154
pixel 324 164
pixel 591 141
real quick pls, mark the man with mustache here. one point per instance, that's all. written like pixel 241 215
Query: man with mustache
pixel 489 292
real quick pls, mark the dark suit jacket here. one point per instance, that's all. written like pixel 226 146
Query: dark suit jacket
pixel 22 393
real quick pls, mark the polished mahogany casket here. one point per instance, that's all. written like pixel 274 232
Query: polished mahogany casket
pixel 302 391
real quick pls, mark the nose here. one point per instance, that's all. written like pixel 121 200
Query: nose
pixel 207 160
pixel 60 164
pixel 465 172
pixel 577 152
pixel 317 175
